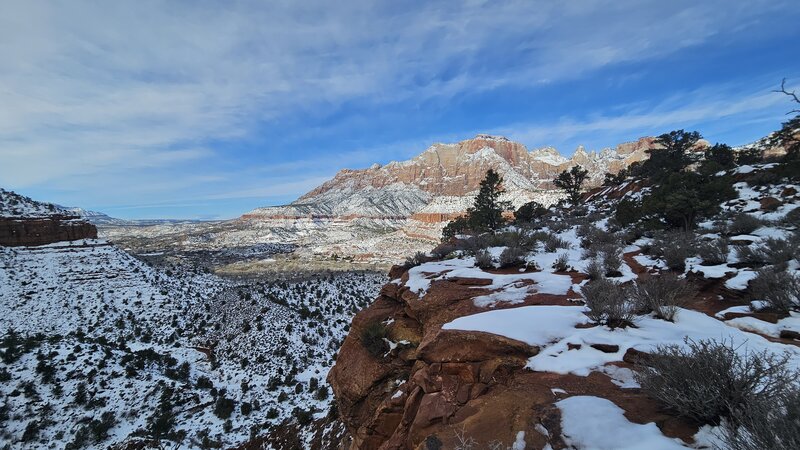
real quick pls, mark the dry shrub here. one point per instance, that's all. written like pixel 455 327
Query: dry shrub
pixel 512 257
pixel 744 223
pixel 792 218
pixel 611 255
pixel 483 259
pixel 773 251
pixel 594 269
pixel 708 380
pixel 608 303
pixel 561 264
pixel 662 294
pixel 553 243
pixel 714 252
pixel 557 226
pixel 766 424
pixel 416 260
pixel 778 288
pixel 674 247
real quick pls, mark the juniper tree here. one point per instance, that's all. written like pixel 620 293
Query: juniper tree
pixel 487 211
pixel 571 181
pixel 529 211
pixel 671 156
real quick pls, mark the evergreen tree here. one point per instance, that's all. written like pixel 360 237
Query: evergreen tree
pixel 529 211
pixel 680 199
pixel 615 179
pixel 571 182
pixel 673 155
pixel 487 212
pixel 459 225
pixel 717 158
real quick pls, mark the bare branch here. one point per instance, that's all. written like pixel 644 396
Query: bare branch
pixel 791 94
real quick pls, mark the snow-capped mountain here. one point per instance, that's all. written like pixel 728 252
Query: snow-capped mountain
pixel 432 182
pixel 385 213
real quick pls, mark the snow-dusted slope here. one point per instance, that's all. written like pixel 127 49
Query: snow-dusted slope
pixel 14 205
pixel 101 348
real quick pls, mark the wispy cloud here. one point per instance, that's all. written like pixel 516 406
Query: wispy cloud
pixel 111 95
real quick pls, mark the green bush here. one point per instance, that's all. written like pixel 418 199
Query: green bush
pixel 373 338
pixel 529 212
pixel 223 407
pixel 483 259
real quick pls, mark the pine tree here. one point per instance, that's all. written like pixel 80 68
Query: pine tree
pixel 571 182
pixel 672 156
pixel 487 212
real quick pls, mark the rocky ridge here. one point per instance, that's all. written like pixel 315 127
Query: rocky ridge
pixel 24 221
pixel 499 356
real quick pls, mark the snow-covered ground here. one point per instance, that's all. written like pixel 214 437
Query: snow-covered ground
pixel 92 333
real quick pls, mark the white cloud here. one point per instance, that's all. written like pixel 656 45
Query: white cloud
pixel 122 93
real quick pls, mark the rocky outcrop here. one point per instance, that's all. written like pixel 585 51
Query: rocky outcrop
pixel 15 231
pixel 438 386
pixel 432 182
pixel 24 221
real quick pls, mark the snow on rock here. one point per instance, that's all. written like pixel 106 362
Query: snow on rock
pixel 510 287
pixel 594 423
pixel 740 280
pixel 553 329
pixel 539 326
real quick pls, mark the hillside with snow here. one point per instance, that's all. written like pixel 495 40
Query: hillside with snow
pixel 549 334
pixel 100 348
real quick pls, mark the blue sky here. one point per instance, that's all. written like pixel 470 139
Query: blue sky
pixel 203 109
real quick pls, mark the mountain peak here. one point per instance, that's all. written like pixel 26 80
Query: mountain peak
pixel 489 137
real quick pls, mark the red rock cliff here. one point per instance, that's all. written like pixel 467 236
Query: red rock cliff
pixel 44 230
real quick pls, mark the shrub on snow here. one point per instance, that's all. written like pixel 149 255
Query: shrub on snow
pixel 766 424
pixel 483 259
pixel 553 243
pixel 662 294
pixel 612 260
pixel 773 251
pixel 744 223
pixel 713 252
pixel 708 380
pixel 512 257
pixel 608 303
pixel 792 218
pixel 561 264
pixel 674 247
pixel 778 288
pixel 594 269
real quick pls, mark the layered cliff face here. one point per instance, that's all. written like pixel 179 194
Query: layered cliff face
pixel 385 213
pixel 26 222
pixel 442 180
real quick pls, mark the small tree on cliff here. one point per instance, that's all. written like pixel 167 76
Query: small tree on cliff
pixel 487 212
pixel 571 182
